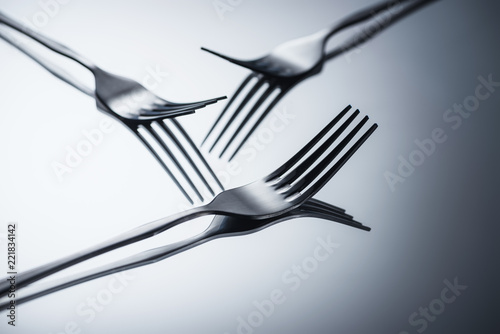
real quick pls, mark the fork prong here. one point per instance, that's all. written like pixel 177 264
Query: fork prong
pixel 168 113
pixel 252 111
pixel 278 97
pixel 166 106
pixel 308 178
pixel 161 102
pixel 318 184
pixel 162 163
pixel 243 63
pixel 293 160
pixel 172 157
pixel 229 103
pixel 243 103
pixel 197 151
pixel 333 215
pixel 326 206
pixel 193 106
pixel 181 148
pixel 293 175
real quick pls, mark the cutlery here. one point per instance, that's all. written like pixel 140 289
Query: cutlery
pixel 221 226
pixel 283 190
pixel 149 118
pixel 290 63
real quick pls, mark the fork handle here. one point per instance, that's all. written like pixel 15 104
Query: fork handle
pixel 367 34
pixel 137 234
pixel 53 68
pixel 133 261
pixel 358 17
pixel 47 42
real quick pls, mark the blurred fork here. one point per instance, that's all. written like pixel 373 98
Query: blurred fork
pixel 285 189
pixel 287 65
pixel 146 116
pixel 220 227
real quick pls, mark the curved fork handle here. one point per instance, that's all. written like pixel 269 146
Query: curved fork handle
pixel 367 34
pixel 221 226
pixel 48 65
pixel 360 16
pixel 137 234
pixel 144 258
pixel 47 42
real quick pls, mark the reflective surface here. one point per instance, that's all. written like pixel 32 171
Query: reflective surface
pixel 436 225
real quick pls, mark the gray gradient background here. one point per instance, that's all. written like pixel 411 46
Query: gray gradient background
pixel 441 223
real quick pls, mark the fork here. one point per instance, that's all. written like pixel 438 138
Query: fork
pixel 275 74
pixel 146 117
pixel 283 190
pixel 220 227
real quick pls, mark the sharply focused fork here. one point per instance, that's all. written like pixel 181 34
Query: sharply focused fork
pixel 220 227
pixel 285 189
pixel 148 116
pixel 287 65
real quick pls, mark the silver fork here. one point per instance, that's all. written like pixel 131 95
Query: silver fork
pixel 146 118
pixel 220 227
pixel 285 189
pixel 275 74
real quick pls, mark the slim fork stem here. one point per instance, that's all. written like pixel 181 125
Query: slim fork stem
pixel 49 43
pixel 367 34
pixel 57 71
pixel 131 262
pixel 221 226
pixel 132 236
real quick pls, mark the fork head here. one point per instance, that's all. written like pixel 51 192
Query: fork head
pixel 291 59
pixel 145 114
pixel 223 226
pixel 300 177
pixel 126 99
pixel 276 74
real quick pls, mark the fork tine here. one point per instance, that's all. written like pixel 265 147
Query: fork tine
pixel 243 103
pixel 167 113
pixel 257 105
pixel 278 97
pixel 326 206
pixel 229 103
pixel 193 105
pixel 308 178
pixel 158 158
pixel 298 171
pixel 171 156
pixel 293 160
pixel 186 155
pixel 317 185
pixel 162 102
pixel 333 215
pixel 197 151
pixel 232 60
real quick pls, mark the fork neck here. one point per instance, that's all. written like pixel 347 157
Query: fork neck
pixel 365 14
pixel 47 42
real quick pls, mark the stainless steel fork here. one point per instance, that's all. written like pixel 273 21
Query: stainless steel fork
pixel 283 190
pixel 151 122
pixel 220 227
pixel 275 74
